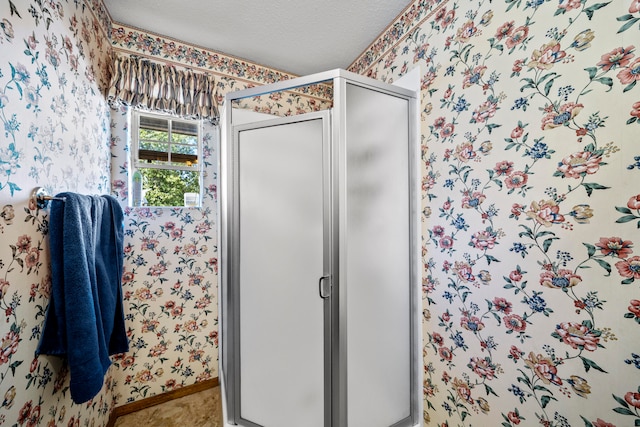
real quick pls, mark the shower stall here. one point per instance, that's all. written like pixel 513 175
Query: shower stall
pixel 319 259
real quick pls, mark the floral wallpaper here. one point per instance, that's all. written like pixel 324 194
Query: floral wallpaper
pixel 54 134
pixel 531 250
pixel 169 282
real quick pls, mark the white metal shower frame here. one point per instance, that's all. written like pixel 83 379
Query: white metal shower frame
pixel 337 335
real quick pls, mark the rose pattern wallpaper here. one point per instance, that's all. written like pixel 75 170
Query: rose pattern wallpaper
pixel 531 207
pixel 530 216
pixel 54 71
pixel 169 282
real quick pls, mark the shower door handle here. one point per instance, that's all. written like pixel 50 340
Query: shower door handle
pixel 321 287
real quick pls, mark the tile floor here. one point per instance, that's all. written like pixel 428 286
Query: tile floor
pixel 203 409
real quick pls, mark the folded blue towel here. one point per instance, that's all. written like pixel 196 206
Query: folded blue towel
pixel 85 318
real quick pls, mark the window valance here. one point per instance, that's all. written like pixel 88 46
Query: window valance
pixel 154 86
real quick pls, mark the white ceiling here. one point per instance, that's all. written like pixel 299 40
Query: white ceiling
pixel 297 36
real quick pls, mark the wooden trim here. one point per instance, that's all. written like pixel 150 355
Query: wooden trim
pixel 119 411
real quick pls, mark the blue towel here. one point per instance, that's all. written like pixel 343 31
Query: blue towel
pixel 85 318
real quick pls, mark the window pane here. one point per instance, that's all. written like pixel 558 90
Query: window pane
pixel 165 187
pixel 154 146
pixel 186 128
pixel 184 138
pixel 185 149
pixel 154 123
pixel 153 135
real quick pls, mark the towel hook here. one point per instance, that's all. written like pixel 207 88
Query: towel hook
pixel 40 198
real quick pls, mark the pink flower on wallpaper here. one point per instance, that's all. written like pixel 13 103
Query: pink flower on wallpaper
pixel 483 240
pixel 517 66
pixel 635 6
pixel 558 118
pixel 465 32
pixel 517 132
pixel 464 271
pixel 484 112
pixel 615 246
pixel 472 77
pixel 437 339
pixel 545 212
pixel 517 179
pixel 446 242
pixel 514 418
pixel 579 164
pixel 515 353
pixel 629 268
pixel 144 376
pixel 473 201
pixel 149 244
pixel 517 36
pixel 504 167
pixel 462 389
pixel 448 18
pixel 25 412
pixel 32 258
pixel 569 4
pixel 158 349
pixel 465 152
pixel 515 275
pixel 447 130
pixel 127 277
pixel 600 423
pixel 563 279
pixel 547 55
pixel 445 353
pixel 144 294
pixel 23 244
pixel 127 361
pixel 8 346
pixel 176 233
pixel 203 302
pixel 482 367
pixel 149 325
pixel 635 110
pixel 157 270
pixel 544 368
pixel 502 305
pixel 504 30
pixel 634 308
pixel 633 399
pixel 514 323
pixel 634 202
pixel 617 58
pixel 471 323
pixel 439 122
pixel 631 74
pixel 577 335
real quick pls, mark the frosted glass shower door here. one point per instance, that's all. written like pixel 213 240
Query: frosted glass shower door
pixel 281 205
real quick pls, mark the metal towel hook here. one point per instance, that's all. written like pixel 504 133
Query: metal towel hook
pixel 40 198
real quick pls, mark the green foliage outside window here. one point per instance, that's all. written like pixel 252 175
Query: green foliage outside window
pixel 163 187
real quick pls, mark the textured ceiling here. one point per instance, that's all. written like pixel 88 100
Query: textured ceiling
pixel 297 36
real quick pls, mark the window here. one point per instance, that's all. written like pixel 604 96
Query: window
pixel 166 152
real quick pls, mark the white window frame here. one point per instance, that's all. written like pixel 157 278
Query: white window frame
pixel 142 164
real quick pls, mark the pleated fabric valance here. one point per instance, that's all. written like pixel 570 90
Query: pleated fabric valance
pixel 141 83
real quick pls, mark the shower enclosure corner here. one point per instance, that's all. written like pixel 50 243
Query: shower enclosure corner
pixel 319 258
